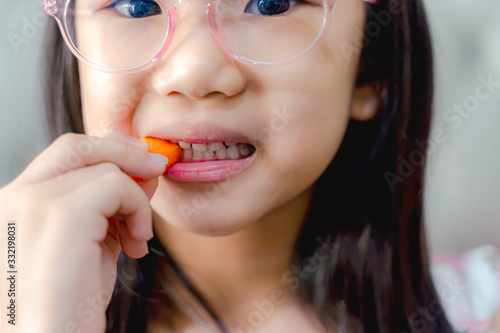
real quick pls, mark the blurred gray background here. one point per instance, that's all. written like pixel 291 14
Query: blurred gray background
pixel 23 133
pixel 462 198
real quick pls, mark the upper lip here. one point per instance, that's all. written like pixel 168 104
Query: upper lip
pixel 201 132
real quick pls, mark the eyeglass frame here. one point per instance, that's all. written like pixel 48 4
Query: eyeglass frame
pixel 55 7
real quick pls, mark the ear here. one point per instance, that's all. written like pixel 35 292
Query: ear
pixel 365 102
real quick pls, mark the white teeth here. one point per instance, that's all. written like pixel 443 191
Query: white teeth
pixel 187 154
pixel 199 147
pixel 221 153
pixel 197 155
pixel 214 146
pixel 214 151
pixel 233 152
pixel 184 145
pixel 229 144
pixel 208 155
pixel 244 150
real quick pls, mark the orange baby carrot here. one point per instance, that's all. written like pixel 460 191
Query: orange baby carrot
pixel 172 151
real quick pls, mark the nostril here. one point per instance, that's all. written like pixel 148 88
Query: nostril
pixel 195 65
pixel 174 94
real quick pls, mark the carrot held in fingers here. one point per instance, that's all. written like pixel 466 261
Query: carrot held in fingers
pixel 172 151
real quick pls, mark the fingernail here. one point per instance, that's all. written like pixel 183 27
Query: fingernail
pixel 158 159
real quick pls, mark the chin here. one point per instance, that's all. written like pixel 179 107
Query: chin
pixel 210 221
pixel 212 209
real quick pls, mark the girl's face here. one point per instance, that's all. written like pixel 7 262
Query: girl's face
pixel 294 114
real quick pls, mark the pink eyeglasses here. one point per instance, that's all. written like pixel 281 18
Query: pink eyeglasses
pixel 128 35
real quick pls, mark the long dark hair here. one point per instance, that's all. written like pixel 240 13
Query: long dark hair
pixel 367 205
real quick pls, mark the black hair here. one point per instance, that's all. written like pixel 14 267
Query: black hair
pixel 366 206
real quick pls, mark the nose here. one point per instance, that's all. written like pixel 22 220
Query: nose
pixel 194 64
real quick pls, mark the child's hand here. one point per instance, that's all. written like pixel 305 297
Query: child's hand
pixel 74 208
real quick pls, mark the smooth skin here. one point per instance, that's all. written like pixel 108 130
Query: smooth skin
pixel 237 247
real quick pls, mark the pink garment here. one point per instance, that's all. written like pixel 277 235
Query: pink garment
pixel 469 287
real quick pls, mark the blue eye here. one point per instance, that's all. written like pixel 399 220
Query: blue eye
pixel 137 8
pixel 269 7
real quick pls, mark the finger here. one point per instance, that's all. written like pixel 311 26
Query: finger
pixel 117 135
pixel 148 185
pixel 64 184
pixel 112 240
pixel 103 191
pixel 73 151
pixel 133 248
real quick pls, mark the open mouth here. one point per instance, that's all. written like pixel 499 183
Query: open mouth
pixel 213 151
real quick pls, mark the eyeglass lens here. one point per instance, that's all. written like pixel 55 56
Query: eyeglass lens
pixel 128 33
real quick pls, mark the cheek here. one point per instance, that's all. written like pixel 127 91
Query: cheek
pixel 108 100
pixel 303 147
pixel 308 113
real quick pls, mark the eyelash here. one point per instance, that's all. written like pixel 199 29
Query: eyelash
pixel 252 5
pixel 114 5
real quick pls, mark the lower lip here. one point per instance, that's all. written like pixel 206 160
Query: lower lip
pixel 209 171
